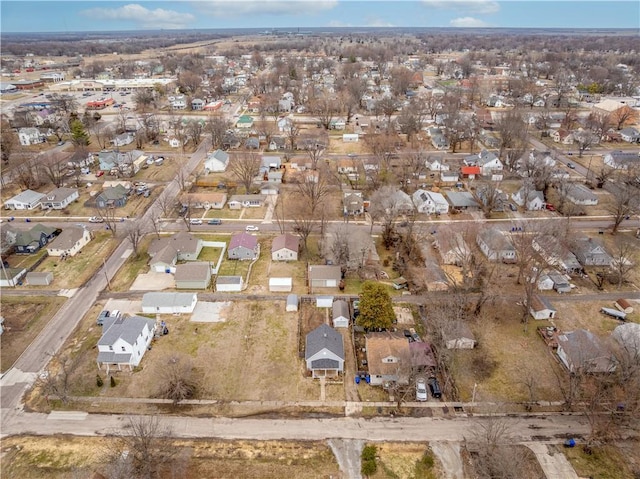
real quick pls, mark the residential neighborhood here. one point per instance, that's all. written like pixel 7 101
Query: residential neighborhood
pixel 434 230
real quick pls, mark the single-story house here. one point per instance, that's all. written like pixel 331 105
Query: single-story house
pixel 581 350
pixel 458 335
pixel 123 139
pixel 269 188
pixel 340 316
pixel 581 195
pixel 462 200
pixel 449 177
pixel 430 202
pixel 10 277
pixel 169 303
pixel 124 341
pixel 59 198
pixel 324 276
pixel 237 202
pixel 281 285
pixel 292 303
pixel 70 242
pixel 216 161
pixel 165 252
pixel 453 248
pixel 622 160
pixel 560 282
pixel 27 200
pixel 556 254
pixel 630 135
pixel 545 283
pixel 229 284
pixel 245 122
pixel 193 275
pixel 35 278
pixel 496 246
pixel 285 248
pixel 487 161
pixel 243 246
pixel 436 164
pixel 388 358
pixel 112 197
pixel 541 308
pixel 324 352
pixel 353 204
pixel 32 240
pixel 590 252
pixel 207 201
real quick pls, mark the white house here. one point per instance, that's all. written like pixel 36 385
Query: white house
pixel 59 198
pixel 10 277
pixel 27 200
pixel 340 316
pixel 216 161
pixel 458 335
pixel 70 242
pixel 581 350
pixel 169 303
pixel 622 160
pixel 324 352
pixel 30 136
pixel 430 202
pixel 496 246
pixel 436 164
pixel 534 199
pixel 581 195
pixel 285 248
pixel 124 341
pixel 350 138
pixel 487 161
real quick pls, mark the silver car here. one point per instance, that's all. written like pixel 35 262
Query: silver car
pixel 421 389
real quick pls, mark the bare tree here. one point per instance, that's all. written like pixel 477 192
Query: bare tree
pixel 584 139
pixel 325 109
pixel 177 378
pixel 54 167
pixel 304 221
pixel 292 132
pixel 314 188
pixel 513 132
pixel 245 167
pixel 109 218
pixel 135 231
pixel 315 153
pixel 26 174
pixel 386 207
pixel 142 450
pixel 58 375
pixel 280 211
pixel 625 201
pixel 8 140
pixel 623 116
pixel 165 203
pixel 624 259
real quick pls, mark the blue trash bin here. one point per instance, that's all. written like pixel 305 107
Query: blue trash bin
pixel 367 378
pixel 357 379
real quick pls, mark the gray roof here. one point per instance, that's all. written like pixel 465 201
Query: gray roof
pixel 111 357
pixel 325 363
pixel 243 240
pixel 114 193
pixel 68 238
pixel 320 271
pixel 461 199
pixel 28 196
pixel 324 336
pixel 242 198
pixel 496 240
pixel 581 193
pixel 220 155
pixel 126 328
pixel 292 299
pixel 585 350
pixel 182 241
pixel 285 241
pixel 229 280
pixel 167 299
pixel 195 271
pixel 340 308
pixel 59 194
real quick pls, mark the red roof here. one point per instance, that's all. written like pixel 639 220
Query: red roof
pixel 470 170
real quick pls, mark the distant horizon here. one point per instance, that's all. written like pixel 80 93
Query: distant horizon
pixel 84 16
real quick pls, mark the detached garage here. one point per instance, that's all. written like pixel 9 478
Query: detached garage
pixel 39 279
pixel 169 303
pixel 280 285
pixel 229 284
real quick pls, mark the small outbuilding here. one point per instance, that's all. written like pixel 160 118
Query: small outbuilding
pixel 229 284
pixel 35 278
pixel 624 306
pixel 324 301
pixel 541 308
pixel 281 285
pixel 169 303
pixel 340 314
pixel 292 303
pixel 193 275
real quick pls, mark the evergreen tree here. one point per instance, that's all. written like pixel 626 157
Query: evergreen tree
pixel 79 135
pixel 376 309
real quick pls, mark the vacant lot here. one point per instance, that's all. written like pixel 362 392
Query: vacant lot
pixel 620 461
pixel 251 356
pixel 406 460
pixel 74 271
pixel 24 319
pixel 62 457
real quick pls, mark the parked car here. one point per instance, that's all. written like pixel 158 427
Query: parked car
pixel 252 228
pixel 214 221
pixel 96 219
pixel 550 207
pixel 421 390
pixel 436 392
pixel 195 221
pixel 183 211
pixel 101 318
pixel 99 174
pixel 513 207
pixel 571 165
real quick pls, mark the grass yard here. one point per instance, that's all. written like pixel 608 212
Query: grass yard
pixel 224 213
pixel 253 213
pixel 133 266
pixel 26 261
pixel 406 460
pixel 504 358
pixel 605 462
pixel 233 267
pixel 251 356
pixel 59 457
pixel 574 315
pixel 210 255
pixel 76 270
pixel 24 318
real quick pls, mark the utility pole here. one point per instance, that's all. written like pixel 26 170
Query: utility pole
pixel 104 264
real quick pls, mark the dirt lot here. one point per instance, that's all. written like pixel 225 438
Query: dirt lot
pixel 24 319
pixel 258 336
pixel 62 457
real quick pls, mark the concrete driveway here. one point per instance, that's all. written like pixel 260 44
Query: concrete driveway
pixel 554 464
pixel 206 312
pixel 124 306
pixel 153 281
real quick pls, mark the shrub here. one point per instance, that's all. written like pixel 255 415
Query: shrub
pixel 113 381
pixel 99 381
pixel 369 465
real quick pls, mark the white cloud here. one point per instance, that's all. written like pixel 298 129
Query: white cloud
pixel 468 22
pixel 464 6
pixel 158 18
pixel 263 7
pixel 377 23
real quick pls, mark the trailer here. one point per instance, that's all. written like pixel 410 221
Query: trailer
pixel 614 313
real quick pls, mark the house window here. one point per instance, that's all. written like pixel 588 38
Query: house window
pixel 124 349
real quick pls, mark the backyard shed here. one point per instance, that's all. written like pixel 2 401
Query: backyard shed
pixel 340 314
pixel 229 284
pixel 39 279
pixel 324 301
pixel 624 306
pixel 281 285
pixel 292 303
pixel 195 275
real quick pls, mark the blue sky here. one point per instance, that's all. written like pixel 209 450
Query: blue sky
pixel 67 16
